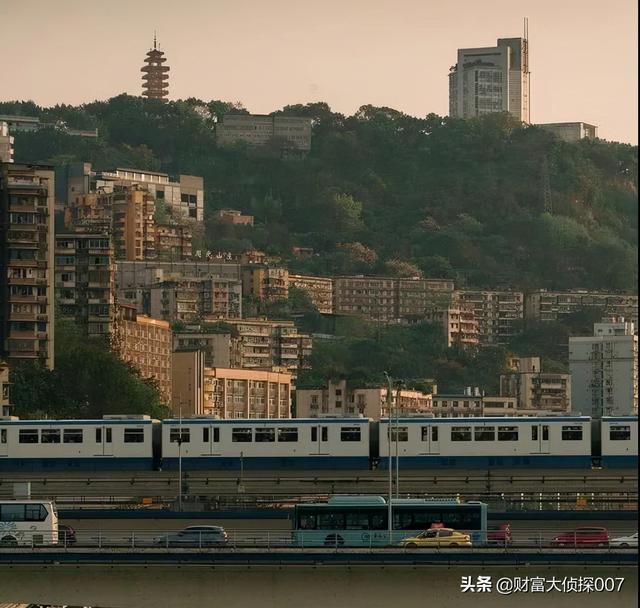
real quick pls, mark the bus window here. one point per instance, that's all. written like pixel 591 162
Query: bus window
pixel 307 521
pixel 35 513
pixel 330 521
pixel 10 512
pixel 378 521
pixel 357 521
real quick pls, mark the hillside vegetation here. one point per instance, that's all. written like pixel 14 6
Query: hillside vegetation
pixel 384 192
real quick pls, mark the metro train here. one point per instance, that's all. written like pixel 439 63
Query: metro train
pixel 138 443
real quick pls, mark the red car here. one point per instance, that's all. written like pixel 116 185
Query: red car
pixel 583 537
pixel 499 534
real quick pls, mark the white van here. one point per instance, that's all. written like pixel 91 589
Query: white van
pixel 28 523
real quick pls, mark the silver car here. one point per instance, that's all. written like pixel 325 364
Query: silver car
pixel 195 536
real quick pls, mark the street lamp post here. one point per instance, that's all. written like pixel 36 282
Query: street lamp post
pixel 398 397
pixel 389 505
pixel 180 457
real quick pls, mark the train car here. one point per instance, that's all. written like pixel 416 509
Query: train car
pixel 483 443
pixel 110 443
pixel 619 442
pixel 261 444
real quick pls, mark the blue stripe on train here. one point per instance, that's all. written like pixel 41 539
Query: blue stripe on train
pixel 619 462
pixel 269 463
pixel 97 463
pixel 486 462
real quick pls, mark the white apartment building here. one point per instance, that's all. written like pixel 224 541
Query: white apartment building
pixel 604 370
pixel 493 79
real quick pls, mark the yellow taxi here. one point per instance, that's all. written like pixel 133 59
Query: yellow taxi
pixel 437 537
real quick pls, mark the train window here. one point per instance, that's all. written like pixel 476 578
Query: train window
pixel 205 434
pixel 98 435
pixel 72 436
pixel 134 435
pixel 241 435
pixel 571 433
pixel 265 435
pixel 460 433
pixel 545 432
pixel 3 435
pixel 216 434
pixel 50 436
pixel 28 436
pixel 108 433
pixel 619 433
pixel 34 513
pixel 534 433
pixel 178 435
pixel 507 433
pixel 352 433
pixel 425 433
pixel 314 433
pixel 324 433
pixel 287 434
pixel 485 433
pixel 400 433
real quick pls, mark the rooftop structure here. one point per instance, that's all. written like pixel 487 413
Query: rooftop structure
pixel 155 81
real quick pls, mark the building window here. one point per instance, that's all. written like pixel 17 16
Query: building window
pixel 134 435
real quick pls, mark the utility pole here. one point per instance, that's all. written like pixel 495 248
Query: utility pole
pixel 389 505
pixel 180 455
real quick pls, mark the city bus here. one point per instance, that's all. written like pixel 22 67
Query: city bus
pixel 28 523
pixel 362 521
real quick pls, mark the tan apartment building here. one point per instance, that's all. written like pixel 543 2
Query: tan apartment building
pixel 216 344
pixel 472 404
pixel 134 228
pixel 228 392
pixel 265 282
pixel 499 313
pixel 545 305
pixel 5 396
pixel 235 217
pixel 85 281
pixel 26 263
pixel 145 343
pixel 459 325
pixel 261 343
pixel 134 274
pixel 319 290
pixel 173 241
pixel 289 132
pixel 571 131
pixel 6 143
pixel 389 299
pixel 184 196
pixel 340 400
pixel 534 390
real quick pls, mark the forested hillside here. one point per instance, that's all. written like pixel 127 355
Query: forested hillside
pixel 383 192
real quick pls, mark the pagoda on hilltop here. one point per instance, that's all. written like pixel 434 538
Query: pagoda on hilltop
pixel 155 81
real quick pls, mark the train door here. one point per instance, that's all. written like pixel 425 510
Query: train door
pixel 4 442
pixel 430 439
pixel 540 439
pixel 210 440
pixel 104 441
pixel 320 437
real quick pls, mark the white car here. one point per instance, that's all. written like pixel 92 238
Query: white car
pixel 625 541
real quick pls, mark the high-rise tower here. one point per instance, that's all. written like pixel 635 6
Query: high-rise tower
pixel 155 81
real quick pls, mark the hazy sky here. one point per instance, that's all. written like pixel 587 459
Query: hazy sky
pixel 270 53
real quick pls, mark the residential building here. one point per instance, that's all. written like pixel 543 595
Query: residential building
pixel 389 299
pixel 5 397
pixel 26 124
pixel 473 404
pixel 340 400
pixel 571 131
pixel 155 79
pixel 134 274
pixel 604 370
pixel 265 282
pixel 289 132
pixel 6 143
pixel 216 344
pixel 173 241
pixel 228 392
pixel 85 281
pixel 134 230
pixel 459 325
pixel 26 263
pixel 145 343
pixel 235 217
pixel 262 343
pixel 191 300
pixel 499 313
pixel 93 211
pixel 493 79
pixel 534 390
pixel 545 305
pixel 319 290
pixel 183 196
